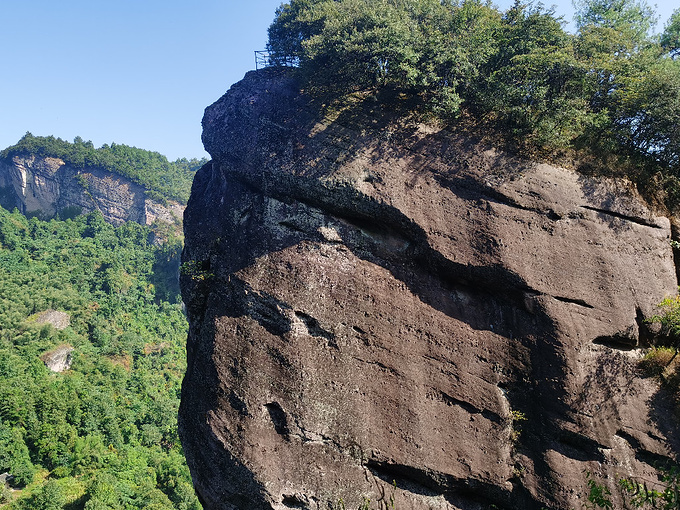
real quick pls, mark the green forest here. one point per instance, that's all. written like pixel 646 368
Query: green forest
pixel 102 434
pixel 163 180
pixel 606 96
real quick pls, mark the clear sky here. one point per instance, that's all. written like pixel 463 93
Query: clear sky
pixel 138 72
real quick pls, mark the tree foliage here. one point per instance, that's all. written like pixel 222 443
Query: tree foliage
pixel 611 88
pixel 104 433
pixel 670 39
pixel 641 496
pixel 632 18
pixel 164 180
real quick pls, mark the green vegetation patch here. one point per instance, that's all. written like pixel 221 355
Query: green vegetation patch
pixel 102 434
pixel 662 361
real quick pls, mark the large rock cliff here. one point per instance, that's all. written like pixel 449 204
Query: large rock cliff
pixel 47 186
pixel 383 309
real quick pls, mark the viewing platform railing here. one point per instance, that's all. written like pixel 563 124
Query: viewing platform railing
pixel 264 59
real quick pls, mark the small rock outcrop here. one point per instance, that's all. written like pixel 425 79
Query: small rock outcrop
pixel 47 186
pixel 384 309
pixel 58 320
pixel 59 359
pixel 5 480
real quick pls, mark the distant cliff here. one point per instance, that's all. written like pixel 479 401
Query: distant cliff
pixel 48 186
pixel 381 308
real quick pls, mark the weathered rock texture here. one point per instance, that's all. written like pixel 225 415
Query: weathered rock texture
pixel 46 186
pixel 380 308
pixel 59 359
pixel 56 319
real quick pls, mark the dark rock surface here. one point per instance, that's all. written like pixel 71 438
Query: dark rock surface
pixel 46 186
pixel 380 308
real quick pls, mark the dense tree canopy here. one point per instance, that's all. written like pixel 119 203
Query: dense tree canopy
pixel 102 435
pixel 612 88
pixel 162 179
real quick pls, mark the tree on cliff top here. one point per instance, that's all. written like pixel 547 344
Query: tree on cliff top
pixel 670 39
pixel 612 88
pixel 421 46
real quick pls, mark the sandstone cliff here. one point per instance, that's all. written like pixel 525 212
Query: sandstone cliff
pixel 380 308
pixel 46 186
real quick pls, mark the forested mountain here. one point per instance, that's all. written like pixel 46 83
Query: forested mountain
pixel 163 180
pixel 103 433
pixel 606 97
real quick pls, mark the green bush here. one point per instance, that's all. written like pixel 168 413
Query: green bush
pixel 669 318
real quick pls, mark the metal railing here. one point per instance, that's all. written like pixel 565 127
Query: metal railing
pixel 264 59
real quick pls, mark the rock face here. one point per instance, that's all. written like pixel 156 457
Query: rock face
pixel 47 186
pixel 58 320
pixel 382 309
pixel 59 359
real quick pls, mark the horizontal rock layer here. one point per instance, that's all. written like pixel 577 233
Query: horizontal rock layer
pixel 383 309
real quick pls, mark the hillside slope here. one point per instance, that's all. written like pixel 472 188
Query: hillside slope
pixel 92 343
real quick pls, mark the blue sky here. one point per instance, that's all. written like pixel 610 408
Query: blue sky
pixel 138 72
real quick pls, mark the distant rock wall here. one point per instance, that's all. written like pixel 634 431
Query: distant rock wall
pixel 47 186
pixel 379 308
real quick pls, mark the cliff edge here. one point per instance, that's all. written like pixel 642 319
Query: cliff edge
pixel 47 186
pixel 381 309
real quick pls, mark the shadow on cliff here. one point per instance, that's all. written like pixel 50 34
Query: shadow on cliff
pixel 227 219
pixel 663 412
pixel 205 442
pixel 489 298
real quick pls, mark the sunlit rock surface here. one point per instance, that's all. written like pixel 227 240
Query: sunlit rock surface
pixel 45 187
pixel 380 308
